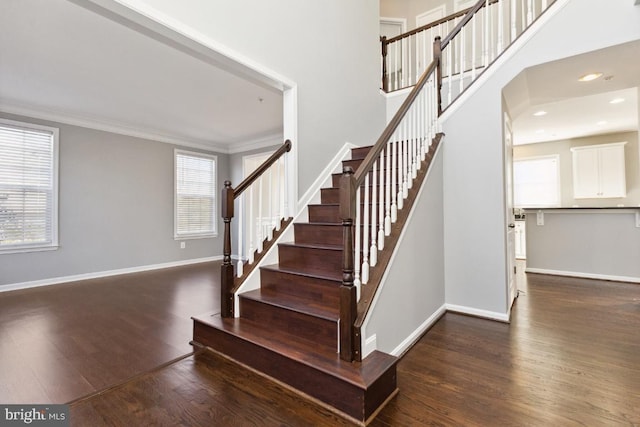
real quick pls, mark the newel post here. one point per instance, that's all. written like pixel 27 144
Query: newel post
pixel 437 56
pixel 348 296
pixel 385 76
pixel 226 270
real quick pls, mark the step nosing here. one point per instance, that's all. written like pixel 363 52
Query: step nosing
pixel 277 268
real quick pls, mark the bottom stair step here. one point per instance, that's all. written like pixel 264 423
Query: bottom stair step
pixel 356 389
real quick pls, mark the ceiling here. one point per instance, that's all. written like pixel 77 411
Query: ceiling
pixel 576 109
pixel 63 61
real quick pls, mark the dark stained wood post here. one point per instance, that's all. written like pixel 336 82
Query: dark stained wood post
pixel 348 296
pixel 226 271
pixel 385 77
pixel 437 56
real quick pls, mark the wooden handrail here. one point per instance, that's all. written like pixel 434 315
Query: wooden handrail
pixel 229 194
pixel 427 26
pixel 246 183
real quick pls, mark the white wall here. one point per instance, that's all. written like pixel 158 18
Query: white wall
pixel 412 290
pixel 329 48
pixel 475 253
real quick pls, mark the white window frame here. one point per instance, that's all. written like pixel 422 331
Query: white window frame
pixel 53 244
pixel 215 213
pixel 555 157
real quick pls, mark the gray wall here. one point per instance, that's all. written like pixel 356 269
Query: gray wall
pixel 474 214
pixel 409 9
pixel 116 196
pixel 329 48
pixel 413 288
pixel 562 148
pixel 599 242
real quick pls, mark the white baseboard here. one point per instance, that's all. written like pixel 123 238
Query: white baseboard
pixel 584 275
pixel 485 314
pixel 99 274
pixel 370 344
pixel 415 335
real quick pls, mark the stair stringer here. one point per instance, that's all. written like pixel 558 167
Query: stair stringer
pixel 312 195
pixel 410 297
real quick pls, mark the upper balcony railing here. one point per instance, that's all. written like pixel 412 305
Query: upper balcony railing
pixel 471 40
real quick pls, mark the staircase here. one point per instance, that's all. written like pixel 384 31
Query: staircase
pixel 288 329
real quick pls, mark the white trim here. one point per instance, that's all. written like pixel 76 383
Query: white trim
pixel 396 93
pixel 55 135
pixel 415 335
pixel 60 116
pixel 394 21
pixel 255 144
pixel 584 275
pixel 443 12
pixel 485 314
pixel 106 273
pixel 332 167
pixel 513 49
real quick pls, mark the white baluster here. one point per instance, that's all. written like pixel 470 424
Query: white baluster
pixel 405 164
pixel 412 142
pixel 357 247
pixel 450 65
pixel 381 203
pixel 394 172
pixel 373 255
pixel 387 191
pixel 270 195
pixel 529 12
pixel 240 267
pixel 278 194
pixel 400 168
pixel 365 231
pixel 463 41
pixel 500 26
pixel 514 10
pixel 395 64
pixel 473 49
pixel 250 246
pixel 543 6
pixel 403 43
pixel 259 233
pixel 485 40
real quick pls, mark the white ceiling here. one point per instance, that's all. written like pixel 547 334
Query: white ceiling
pixel 63 61
pixel 576 109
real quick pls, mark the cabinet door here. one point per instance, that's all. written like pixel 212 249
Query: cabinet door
pixel 585 174
pixel 612 176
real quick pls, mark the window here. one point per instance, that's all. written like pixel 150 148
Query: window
pixel 195 200
pixel 536 182
pixel 28 187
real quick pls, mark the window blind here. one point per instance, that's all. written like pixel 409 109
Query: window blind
pixel 195 195
pixel 27 187
pixel 536 182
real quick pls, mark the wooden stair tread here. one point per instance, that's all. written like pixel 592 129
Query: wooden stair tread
pixel 293 303
pixel 314 275
pixel 360 374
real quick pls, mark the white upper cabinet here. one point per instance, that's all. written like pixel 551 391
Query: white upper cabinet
pixel 598 171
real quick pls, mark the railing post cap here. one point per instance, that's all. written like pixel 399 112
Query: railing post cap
pixel 227 184
pixel 347 170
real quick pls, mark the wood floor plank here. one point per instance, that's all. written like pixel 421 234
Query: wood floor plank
pixel 571 356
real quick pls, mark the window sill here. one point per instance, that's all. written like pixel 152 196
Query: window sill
pixel 194 237
pixel 23 250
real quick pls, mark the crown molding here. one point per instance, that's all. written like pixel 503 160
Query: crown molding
pixel 256 143
pixel 65 117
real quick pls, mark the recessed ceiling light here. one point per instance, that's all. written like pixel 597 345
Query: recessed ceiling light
pixel 589 77
pixel 539 113
pixel 602 122
pixel 616 101
pixel 540 131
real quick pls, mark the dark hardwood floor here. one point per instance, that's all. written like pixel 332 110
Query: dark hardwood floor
pixel 61 342
pixel 571 356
